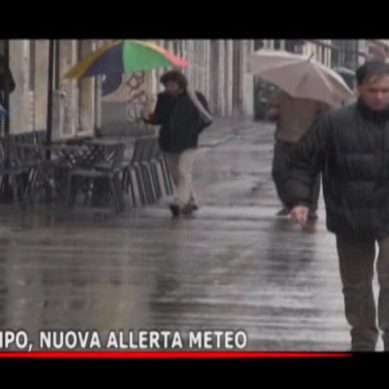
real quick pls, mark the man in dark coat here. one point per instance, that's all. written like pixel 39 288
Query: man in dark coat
pixel 7 83
pixel 293 117
pixel 181 124
pixel 350 146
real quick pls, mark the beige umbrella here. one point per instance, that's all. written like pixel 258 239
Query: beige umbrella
pixel 300 76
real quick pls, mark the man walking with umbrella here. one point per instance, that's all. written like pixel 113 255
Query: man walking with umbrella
pixel 293 116
pixel 350 146
pixel 309 88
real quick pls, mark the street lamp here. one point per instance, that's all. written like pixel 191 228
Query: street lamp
pixel 53 79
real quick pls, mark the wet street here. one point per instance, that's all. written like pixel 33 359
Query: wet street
pixel 232 266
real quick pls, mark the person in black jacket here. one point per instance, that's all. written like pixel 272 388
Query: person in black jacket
pixel 350 146
pixel 181 124
pixel 7 82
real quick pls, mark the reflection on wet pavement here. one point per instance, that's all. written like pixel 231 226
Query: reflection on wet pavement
pixel 234 266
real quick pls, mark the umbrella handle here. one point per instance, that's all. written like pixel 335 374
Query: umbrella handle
pixel 135 109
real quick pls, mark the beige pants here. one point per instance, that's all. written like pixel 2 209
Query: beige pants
pixel 181 168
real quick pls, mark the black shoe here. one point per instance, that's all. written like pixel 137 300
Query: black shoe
pixel 175 209
pixel 189 209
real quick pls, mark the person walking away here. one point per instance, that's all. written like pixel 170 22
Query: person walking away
pixel 293 117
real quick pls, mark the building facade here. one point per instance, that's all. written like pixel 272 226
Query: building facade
pixel 218 69
pixel 75 103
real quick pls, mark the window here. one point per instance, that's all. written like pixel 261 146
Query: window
pixel 31 85
pixel 258 44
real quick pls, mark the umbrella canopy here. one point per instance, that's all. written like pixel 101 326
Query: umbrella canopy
pixel 125 57
pixel 300 77
pixel 111 83
pixel 343 70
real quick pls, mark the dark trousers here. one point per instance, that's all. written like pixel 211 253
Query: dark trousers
pixel 356 261
pixel 283 152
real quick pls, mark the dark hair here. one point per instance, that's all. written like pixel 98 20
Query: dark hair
pixel 174 76
pixel 371 69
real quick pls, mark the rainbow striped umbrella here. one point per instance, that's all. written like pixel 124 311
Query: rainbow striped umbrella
pixel 125 57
